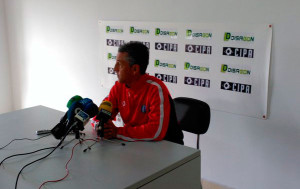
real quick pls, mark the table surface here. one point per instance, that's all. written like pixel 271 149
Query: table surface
pixel 106 165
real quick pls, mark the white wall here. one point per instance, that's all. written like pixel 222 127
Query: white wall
pixel 54 54
pixel 5 82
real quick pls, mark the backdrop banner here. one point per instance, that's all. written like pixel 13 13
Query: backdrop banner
pixel 224 65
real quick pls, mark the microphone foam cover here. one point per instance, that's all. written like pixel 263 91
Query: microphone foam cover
pixel 106 105
pixel 105 111
pixel 73 110
pixel 91 109
pixel 85 101
pixel 73 99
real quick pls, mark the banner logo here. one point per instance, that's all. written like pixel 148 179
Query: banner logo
pixel 225 68
pixel 114 43
pixel 201 49
pixel 166 78
pixel 147 44
pixel 237 37
pixel 111 71
pixel 197 82
pixel 158 63
pixel 238 52
pixel 237 87
pixel 166 32
pixel 166 46
pixel 110 56
pixel 133 30
pixel 110 29
pixel 190 34
pixel 188 66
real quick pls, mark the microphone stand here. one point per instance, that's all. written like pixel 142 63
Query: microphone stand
pixel 76 128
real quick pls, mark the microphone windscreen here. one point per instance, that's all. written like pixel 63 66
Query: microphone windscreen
pixel 105 111
pixel 106 105
pixel 85 101
pixel 73 110
pixel 91 109
pixel 73 99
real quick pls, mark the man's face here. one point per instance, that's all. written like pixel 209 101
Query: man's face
pixel 123 69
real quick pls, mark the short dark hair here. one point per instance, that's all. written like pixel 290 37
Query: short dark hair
pixel 138 53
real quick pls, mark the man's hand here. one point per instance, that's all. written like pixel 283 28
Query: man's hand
pixel 110 130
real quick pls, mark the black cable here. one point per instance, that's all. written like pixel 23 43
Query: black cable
pixel 24 154
pixel 23 139
pixel 71 127
pixel 16 184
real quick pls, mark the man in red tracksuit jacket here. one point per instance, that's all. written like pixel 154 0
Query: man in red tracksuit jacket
pixel 143 101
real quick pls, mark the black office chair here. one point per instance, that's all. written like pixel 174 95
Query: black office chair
pixel 193 115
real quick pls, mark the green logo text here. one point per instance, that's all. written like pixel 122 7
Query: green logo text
pixel 228 36
pixel 134 30
pixel 159 31
pixel 225 68
pixel 188 66
pixel 158 63
pixel 189 33
pixel 113 30
pixel 111 57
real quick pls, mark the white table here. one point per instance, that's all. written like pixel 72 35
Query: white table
pixel 107 165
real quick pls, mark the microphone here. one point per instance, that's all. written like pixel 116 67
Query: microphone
pixel 73 99
pixel 59 130
pixel 83 104
pixel 70 102
pixel 83 117
pixel 79 113
pixel 75 107
pixel 103 116
pixel 85 108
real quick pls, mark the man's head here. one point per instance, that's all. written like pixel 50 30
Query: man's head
pixel 138 54
pixel 132 61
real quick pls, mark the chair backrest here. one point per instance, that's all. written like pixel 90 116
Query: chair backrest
pixel 193 115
